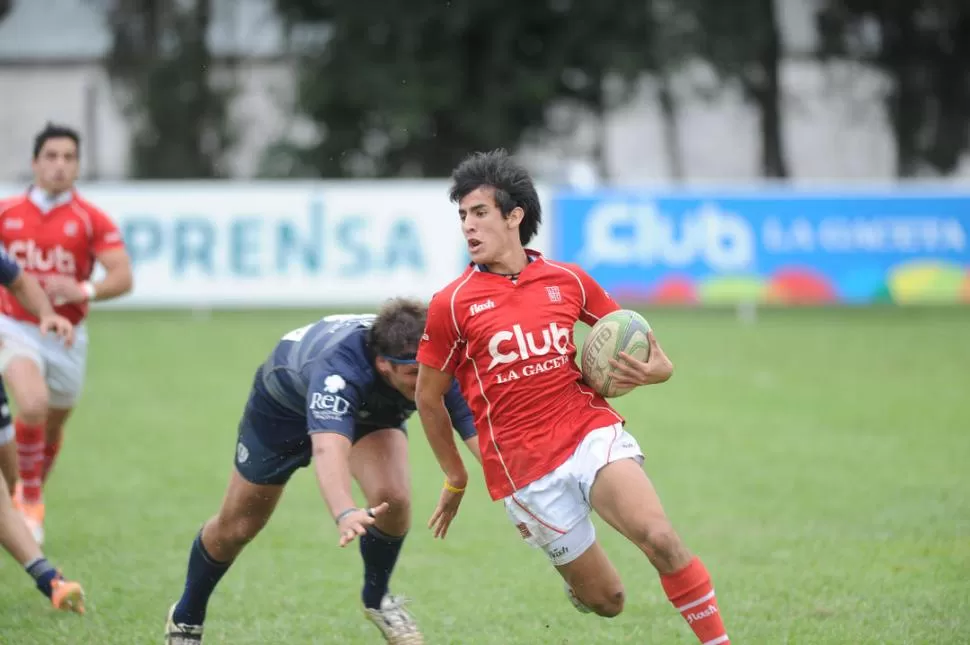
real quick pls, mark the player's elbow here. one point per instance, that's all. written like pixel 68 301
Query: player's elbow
pixel 125 279
pixel 668 371
pixel 664 375
pixel 329 445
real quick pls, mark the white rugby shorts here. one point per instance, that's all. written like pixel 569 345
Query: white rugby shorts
pixel 552 513
pixel 63 367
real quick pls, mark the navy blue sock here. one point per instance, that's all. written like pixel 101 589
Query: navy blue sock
pixel 43 573
pixel 200 581
pixel 380 552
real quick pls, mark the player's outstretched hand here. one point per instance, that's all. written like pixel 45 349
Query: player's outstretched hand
pixel 356 522
pixel 446 511
pixel 60 326
pixel 631 372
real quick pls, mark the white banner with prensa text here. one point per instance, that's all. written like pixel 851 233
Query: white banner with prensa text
pixel 219 244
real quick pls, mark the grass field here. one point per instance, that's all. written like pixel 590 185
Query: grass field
pixel 819 462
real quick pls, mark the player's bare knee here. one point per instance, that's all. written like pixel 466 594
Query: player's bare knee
pixel 246 528
pixel 236 532
pixel 612 605
pixel 32 406
pixel 607 602
pixel 398 505
pixel 663 546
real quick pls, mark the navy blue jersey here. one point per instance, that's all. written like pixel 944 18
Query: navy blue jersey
pixel 9 270
pixel 324 373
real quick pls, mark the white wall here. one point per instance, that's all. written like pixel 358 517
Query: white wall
pixel 834 128
pixel 80 95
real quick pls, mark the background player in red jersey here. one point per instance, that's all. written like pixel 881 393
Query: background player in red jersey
pixel 552 449
pixel 58 237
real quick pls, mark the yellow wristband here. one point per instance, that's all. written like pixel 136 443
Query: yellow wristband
pixel 452 489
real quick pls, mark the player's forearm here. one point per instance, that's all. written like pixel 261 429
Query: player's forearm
pixel 27 290
pixel 437 427
pixel 116 282
pixel 472 443
pixel 332 466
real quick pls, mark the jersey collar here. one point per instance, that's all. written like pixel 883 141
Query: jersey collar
pixel 530 256
pixel 46 202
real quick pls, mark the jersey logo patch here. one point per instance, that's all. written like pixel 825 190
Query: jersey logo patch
pixel 479 307
pixel 334 383
pixel 553 293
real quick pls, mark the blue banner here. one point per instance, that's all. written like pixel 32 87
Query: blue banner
pixel 786 247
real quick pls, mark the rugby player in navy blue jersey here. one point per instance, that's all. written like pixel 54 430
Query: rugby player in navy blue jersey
pixel 336 392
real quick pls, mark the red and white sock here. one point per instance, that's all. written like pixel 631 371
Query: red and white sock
pixel 691 592
pixel 30 455
pixel 50 455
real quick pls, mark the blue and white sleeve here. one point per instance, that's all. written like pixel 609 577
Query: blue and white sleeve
pixel 461 415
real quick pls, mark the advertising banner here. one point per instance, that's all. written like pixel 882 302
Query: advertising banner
pixel 267 244
pixel 770 246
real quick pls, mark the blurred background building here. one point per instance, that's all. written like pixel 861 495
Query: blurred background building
pixel 701 111
pixel 652 90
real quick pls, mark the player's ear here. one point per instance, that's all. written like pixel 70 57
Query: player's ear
pixel 383 365
pixel 514 218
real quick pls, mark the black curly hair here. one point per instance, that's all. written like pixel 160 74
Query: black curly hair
pixel 511 182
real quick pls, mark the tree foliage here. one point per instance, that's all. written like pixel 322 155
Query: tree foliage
pixel 923 46
pixel 407 89
pixel 741 42
pixel 161 68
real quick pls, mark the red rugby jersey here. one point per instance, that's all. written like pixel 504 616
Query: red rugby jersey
pixel 510 344
pixel 62 241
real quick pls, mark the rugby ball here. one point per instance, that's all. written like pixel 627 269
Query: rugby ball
pixel 620 331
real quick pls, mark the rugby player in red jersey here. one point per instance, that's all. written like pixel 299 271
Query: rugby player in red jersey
pixel 56 236
pixel 552 449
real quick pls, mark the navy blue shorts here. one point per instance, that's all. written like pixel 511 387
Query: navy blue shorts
pixel 273 443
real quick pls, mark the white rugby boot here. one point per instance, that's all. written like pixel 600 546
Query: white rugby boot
pixel 395 622
pixel 179 633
